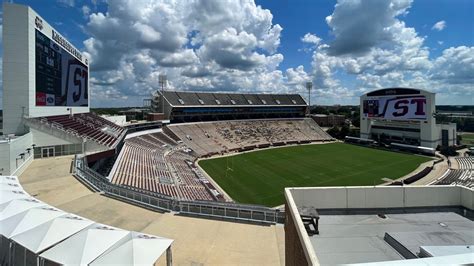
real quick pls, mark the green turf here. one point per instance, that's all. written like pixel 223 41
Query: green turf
pixel 260 177
pixel 467 139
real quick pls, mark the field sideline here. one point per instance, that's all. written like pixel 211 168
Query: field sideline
pixel 259 177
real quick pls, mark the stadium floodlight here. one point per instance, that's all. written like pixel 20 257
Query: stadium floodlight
pixel 309 86
pixel 162 81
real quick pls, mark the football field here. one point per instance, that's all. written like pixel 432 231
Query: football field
pixel 260 177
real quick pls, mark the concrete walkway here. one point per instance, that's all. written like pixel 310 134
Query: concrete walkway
pixel 197 241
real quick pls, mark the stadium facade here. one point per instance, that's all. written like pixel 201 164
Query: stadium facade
pixel 405 116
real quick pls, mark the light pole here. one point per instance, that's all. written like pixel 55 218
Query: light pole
pixel 309 86
pixel 162 81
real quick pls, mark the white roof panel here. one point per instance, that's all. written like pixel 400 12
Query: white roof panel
pixel 9 195
pixel 139 249
pixel 85 246
pixel 28 219
pixel 8 179
pixel 17 206
pixel 50 233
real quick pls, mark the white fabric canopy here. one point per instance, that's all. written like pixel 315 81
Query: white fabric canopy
pixel 9 195
pixel 28 219
pixel 138 249
pixel 10 186
pixel 17 206
pixel 85 246
pixel 9 179
pixel 50 233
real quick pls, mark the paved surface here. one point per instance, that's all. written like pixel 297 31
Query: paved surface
pixel 197 241
pixel 360 238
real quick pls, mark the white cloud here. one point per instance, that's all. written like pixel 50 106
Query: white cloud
pixel 69 3
pixel 206 45
pixel 439 26
pixel 391 55
pixel 455 66
pixel 311 38
pixel 358 26
pixel 86 10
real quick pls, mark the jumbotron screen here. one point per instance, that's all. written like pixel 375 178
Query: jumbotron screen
pixel 396 108
pixel 61 79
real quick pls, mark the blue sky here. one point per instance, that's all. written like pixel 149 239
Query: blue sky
pixel 261 46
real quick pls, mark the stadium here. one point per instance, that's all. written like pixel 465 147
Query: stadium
pixel 216 178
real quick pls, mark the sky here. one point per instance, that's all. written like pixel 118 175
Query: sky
pixel 346 48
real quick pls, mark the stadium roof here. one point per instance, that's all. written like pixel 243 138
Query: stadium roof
pixel 201 99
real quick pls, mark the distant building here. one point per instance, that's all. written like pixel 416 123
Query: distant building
pixel 330 120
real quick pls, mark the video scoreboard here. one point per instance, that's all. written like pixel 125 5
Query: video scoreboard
pixel 61 79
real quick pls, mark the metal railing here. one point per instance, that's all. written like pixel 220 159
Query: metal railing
pixel 164 203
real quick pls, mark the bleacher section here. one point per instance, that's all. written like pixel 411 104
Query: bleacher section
pixel 463 176
pixel 209 138
pixel 86 125
pixel 156 163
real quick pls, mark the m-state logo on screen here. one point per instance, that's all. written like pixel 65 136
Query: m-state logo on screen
pixel 396 108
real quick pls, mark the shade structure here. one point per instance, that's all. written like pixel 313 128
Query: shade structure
pixel 138 249
pixel 9 186
pixel 11 194
pixel 16 206
pixel 9 179
pixel 27 220
pixel 85 246
pixel 50 233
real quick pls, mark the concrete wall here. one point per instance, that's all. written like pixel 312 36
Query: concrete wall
pixel 19 73
pixel 41 139
pixel 298 249
pixel 10 150
pixel 16 66
pixel 382 197
pixel 294 252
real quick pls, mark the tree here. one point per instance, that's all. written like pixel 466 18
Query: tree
pixel 334 132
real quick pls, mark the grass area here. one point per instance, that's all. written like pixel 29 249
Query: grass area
pixel 467 139
pixel 260 177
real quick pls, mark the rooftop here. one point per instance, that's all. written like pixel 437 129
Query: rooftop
pixel 379 224
pixel 365 238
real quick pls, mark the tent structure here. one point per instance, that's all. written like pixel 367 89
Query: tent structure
pixel 19 223
pixel 7 195
pixel 50 233
pixel 16 206
pixel 85 246
pixel 27 220
pixel 9 186
pixel 138 249
pixel 34 233
pixel 9 179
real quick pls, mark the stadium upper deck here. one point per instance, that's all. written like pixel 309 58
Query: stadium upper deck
pixel 181 106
